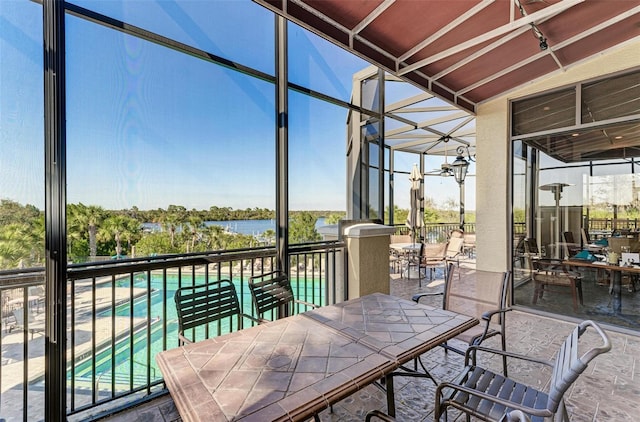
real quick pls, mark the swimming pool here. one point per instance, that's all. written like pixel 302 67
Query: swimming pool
pixel 129 363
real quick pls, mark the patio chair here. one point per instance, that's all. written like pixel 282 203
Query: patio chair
pixel 204 304
pixel 571 248
pixel 481 393
pixel 482 294
pixel 432 255
pixel 554 276
pixel 513 416
pixel 271 292
pixel 32 326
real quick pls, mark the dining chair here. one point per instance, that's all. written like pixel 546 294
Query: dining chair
pixel 481 294
pixel 208 307
pixel 554 276
pixel 481 393
pixel 571 248
pixel 271 293
pixel 432 255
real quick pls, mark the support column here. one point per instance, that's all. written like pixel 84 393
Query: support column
pixel 368 258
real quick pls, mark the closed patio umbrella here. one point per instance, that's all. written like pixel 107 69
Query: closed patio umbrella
pixel 414 219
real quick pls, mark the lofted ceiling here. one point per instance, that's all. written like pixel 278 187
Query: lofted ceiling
pixel 469 51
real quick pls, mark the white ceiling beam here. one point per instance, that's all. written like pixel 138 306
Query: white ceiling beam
pixel 527 20
pixel 423 96
pixel 372 16
pixel 425 109
pixel 445 29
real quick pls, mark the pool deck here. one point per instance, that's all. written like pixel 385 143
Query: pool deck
pixel 13 342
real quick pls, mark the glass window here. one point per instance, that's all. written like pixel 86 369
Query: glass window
pixel 319 65
pixel 22 198
pixel 610 98
pixel 544 112
pixel 150 128
pixel 240 31
pixel 317 167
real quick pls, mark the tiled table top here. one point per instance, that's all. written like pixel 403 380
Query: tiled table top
pixel 396 328
pixel 294 367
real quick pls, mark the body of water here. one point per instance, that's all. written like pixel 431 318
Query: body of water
pixel 249 227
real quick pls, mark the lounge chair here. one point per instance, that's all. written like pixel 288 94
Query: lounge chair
pixel 32 326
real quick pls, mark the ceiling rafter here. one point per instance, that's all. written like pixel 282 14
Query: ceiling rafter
pixel 423 96
pixel 552 10
pixel 444 30
pixel 555 47
pixel 372 16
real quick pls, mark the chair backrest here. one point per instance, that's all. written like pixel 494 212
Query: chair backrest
pixel 203 304
pixel 454 247
pixel 585 236
pixel 531 246
pixel 18 314
pixel 400 238
pixel 433 250
pixel 568 366
pixel 271 291
pixel 568 237
pixel 473 292
pixel 456 233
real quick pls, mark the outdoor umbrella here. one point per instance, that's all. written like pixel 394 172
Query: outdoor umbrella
pixel 414 219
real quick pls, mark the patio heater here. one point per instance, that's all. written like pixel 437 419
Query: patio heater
pixel 556 189
pixel 460 167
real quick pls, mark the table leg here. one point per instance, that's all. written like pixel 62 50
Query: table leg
pixel 616 286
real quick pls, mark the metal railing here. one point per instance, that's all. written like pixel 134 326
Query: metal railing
pixel 436 232
pixel 121 314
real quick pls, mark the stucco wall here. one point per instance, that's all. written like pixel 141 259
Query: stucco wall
pixel 492 152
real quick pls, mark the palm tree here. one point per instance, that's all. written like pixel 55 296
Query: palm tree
pixel 83 218
pixel 119 228
pixel 195 224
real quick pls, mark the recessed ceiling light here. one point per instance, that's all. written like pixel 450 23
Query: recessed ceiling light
pixel 575 134
pixel 618 137
pixel 546 108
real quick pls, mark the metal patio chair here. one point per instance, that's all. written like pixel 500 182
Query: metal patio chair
pixel 211 306
pixel 481 393
pixel 272 293
pixel 482 294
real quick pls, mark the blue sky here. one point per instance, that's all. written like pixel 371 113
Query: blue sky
pixel 149 127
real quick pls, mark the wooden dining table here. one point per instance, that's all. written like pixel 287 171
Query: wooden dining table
pixel 616 277
pixel 293 368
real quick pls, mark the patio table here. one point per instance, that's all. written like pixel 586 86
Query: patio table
pixel 292 368
pixel 410 250
pixel 616 278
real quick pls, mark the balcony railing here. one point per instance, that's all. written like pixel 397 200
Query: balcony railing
pixel 121 313
pixel 437 232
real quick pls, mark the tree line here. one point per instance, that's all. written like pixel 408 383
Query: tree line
pixel 93 231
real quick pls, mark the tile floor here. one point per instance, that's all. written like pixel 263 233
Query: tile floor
pixel 608 391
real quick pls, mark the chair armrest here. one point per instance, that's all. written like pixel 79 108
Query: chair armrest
pixel 473 349
pixel 254 319
pixel 489 314
pixel 416 298
pixel 309 304
pixel 487 318
pixel 183 339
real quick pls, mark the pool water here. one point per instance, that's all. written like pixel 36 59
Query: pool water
pixel 129 359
